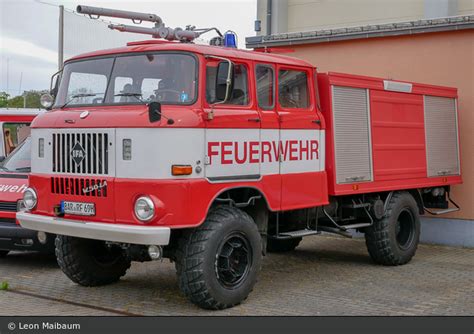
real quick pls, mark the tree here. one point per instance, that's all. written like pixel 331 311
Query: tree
pixel 29 99
pixel 3 99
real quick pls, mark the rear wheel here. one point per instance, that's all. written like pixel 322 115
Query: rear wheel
pixel 218 262
pixel 3 253
pixel 393 240
pixel 90 262
pixel 282 245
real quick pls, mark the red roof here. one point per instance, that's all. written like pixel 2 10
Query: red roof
pixel 159 45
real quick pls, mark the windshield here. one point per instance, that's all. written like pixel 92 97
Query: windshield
pixel 168 78
pixel 19 160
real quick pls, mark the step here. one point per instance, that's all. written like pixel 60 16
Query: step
pixel 335 231
pixel 347 227
pixel 296 234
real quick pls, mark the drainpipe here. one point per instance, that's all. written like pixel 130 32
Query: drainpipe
pixel 61 38
pixel 269 17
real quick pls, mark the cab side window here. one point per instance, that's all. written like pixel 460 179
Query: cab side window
pixel 265 78
pixel 240 93
pixel 293 89
pixel 14 134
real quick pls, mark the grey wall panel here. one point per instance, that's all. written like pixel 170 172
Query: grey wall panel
pixel 441 133
pixel 351 119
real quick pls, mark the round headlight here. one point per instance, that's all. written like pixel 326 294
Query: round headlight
pixel 144 209
pixel 46 100
pixel 30 198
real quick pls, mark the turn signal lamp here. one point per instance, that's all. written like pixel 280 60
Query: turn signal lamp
pixel 41 148
pixel 127 149
pixel 181 170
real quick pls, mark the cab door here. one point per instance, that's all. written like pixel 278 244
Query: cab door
pixel 265 83
pixel 233 134
pixel 303 182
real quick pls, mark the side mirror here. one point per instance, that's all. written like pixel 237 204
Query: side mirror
pixel 47 100
pixel 154 111
pixel 54 88
pixel 224 81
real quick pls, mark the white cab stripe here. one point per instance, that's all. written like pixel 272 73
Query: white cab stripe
pixel 217 154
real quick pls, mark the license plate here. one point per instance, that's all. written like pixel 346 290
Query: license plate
pixel 78 208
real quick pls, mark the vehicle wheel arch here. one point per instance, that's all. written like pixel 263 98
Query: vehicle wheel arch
pixel 259 210
pixel 415 193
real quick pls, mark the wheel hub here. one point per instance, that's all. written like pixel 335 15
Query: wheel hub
pixel 233 260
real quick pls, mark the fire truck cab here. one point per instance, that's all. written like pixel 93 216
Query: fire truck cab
pixel 210 156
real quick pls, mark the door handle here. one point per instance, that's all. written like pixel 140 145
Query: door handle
pixel 316 121
pixel 257 120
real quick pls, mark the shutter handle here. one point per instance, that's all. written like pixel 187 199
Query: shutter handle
pixel 256 120
pixel 316 121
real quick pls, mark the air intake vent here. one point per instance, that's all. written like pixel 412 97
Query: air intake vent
pixel 81 153
pixel 352 135
pixel 79 186
pixel 442 151
pixel 8 206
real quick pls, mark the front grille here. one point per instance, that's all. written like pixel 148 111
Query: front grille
pixel 93 149
pixel 8 206
pixel 7 222
pixel 79 186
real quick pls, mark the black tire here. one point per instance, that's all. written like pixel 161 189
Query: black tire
pixel 90 262
pixel 282 245
pixel 3 253
pixel 393 240
pixel 204 276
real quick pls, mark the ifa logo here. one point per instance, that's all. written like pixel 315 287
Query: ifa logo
pixel 78 153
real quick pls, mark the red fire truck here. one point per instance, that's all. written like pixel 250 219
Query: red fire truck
pixel 210 156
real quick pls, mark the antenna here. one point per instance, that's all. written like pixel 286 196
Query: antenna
pixel 158 31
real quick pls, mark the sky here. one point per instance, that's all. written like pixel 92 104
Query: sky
pixel 29 31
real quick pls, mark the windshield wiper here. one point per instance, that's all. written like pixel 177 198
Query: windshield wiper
pixel 138 96
pixel 77 96
pixel 23 169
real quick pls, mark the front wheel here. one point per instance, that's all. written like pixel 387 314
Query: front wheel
pixel 90 262
pixel 218 262
pixel 393 240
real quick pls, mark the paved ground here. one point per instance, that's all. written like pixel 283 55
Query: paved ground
pixel 324 276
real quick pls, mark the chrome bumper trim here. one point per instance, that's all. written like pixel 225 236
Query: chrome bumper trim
pixel 132 234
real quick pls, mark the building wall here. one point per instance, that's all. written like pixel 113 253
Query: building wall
pixel 465 7
pixel 305 15
pixel 445 58
pixel 308 15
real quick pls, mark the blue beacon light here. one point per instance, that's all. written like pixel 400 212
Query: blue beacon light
pixel 230 39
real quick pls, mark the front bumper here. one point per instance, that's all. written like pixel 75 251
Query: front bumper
pixel 140 235
pixel 14 237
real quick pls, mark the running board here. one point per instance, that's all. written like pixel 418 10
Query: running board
pixel 353 226
pixel 344 228
pixel 294 234
pixel 444 211
pixel 335 231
